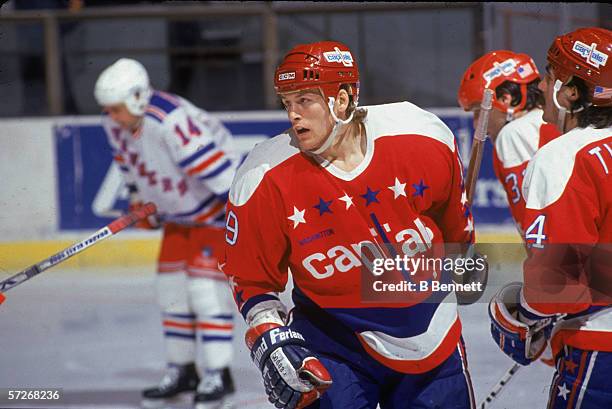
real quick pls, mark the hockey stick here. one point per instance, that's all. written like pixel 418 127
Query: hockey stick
pixel 480 135
pixel 105 232
pixel 499 386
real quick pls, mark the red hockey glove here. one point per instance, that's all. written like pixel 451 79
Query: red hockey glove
pixel 293 376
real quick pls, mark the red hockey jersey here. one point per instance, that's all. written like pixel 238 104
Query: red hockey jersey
pixel 289 210
pixel 568 222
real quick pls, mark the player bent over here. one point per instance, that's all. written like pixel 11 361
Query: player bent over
pixel 341 184
pixel 179 157
pixel 567 290
pixel 515 125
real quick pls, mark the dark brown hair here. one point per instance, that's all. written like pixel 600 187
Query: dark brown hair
pixel 598 117
pixel 535 98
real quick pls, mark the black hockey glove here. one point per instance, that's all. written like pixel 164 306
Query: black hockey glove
pixel 293 376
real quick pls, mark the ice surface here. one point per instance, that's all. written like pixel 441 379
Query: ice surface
pixel 97 335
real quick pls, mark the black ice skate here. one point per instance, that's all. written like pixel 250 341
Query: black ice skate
pixel 215 391
pixel 177 379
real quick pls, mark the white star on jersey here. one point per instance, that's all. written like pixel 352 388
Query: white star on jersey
pixel 399 189
pixel 463 198
pixel 563 391
pixel 298 217
pixel 347 199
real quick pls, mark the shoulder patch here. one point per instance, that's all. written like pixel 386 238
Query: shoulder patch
pixel 163 102
pixel 552 166
pixel 518 141
pixel 264 157
pixel 404 118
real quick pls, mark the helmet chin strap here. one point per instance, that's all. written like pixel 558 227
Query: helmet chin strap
pixel 510 111
pixel 332 135
pixel 562 110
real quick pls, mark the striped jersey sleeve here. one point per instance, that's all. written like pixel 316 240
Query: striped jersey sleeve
pixel 198 153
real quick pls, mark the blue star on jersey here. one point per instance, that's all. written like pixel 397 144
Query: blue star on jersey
pixel 323 206
pixel 419 189
pixel 370 196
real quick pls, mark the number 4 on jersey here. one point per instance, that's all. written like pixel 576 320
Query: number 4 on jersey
pixel 534 235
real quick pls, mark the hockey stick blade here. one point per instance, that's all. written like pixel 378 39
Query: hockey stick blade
pixel 105 232
pixel 480 135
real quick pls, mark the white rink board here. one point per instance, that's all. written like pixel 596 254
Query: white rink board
pixel 29 208
pixel 28 205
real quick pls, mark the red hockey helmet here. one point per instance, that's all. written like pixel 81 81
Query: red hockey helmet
pixel 326 65
pixel 584 53
pixel 490 71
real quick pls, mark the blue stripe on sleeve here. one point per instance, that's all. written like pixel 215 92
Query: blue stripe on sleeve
pixel 197 154
pixel 150 115
pixel 217 171
pixel 162 103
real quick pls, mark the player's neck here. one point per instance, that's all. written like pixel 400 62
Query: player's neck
pixel 571 122
pixel 349 149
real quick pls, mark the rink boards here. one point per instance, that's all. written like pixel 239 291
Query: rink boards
pixel 60 184
pixel 89 185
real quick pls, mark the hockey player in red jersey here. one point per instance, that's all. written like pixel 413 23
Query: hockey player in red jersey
pixel 515 126
pixel 324 199
pixel 567 292
pixel 179 157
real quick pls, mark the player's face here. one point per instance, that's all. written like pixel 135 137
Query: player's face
pixel 120 114
pixel 310 118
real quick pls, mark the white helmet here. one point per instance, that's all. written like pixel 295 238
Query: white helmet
pixel 126 81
